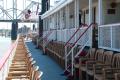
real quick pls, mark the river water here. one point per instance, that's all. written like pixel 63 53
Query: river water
pixel 5 43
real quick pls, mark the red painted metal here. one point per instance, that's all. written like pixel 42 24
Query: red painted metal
pixel 67 43
pixel 7 55
pixel 82 34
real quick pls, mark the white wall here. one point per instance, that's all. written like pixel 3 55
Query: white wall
pixel 110 18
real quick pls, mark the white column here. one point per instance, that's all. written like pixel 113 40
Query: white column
pixel 77 14
pixel 67 16
pixel 76 8
pixel 100 16
pixel 90 12
pixel 100 11
pixel 43 24
pixel 67 21
pixel 60 25
pixel 90 21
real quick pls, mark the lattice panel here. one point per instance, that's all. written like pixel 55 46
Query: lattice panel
pixel 85 37
pixel 58 35
pixel 105 37
pixel 69 33
pixel 116 37
pixel 52 35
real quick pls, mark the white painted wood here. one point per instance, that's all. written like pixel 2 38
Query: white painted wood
pixel 67 20
pixel 56 8
pixel 60 25
pixel 67 16
pixel 112 34
pixel 77 12
pixel 90 11
pixel 108 25
pixel 90 20
pixel 75 15
pixel 76 8
pixel 100 13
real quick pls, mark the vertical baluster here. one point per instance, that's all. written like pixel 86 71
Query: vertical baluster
pixel 3 73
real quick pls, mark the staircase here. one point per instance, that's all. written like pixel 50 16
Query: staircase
pixel 82 41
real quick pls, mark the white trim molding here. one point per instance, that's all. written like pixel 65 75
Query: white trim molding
pixel 56 8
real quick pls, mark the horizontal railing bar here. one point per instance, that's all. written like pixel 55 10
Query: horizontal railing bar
pixel 75 33
pixel 82 34
pixel 108 25
pixel 73 45
pixel 49 33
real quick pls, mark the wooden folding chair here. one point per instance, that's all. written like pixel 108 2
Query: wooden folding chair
pixel 109 73
pixel 107 60
pixel 31 75
pixel 82 61
pixel 89 64
pixel 22 74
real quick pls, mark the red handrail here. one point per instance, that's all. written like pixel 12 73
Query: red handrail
pixel 7 55
pixel 75 33
pixel 82 34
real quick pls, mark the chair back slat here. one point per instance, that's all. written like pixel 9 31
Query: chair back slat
pixel 116 60
pixel 99 54
pixel 108 55
pixel 91 53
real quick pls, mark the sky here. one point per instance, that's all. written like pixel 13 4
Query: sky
pixel 8 4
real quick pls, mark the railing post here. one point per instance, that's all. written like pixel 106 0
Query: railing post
pixel 72 61
pixel 66 57
pixel 43 46
pixel 100 8
pixel 76 12
pixel 111 35
pixel 90 20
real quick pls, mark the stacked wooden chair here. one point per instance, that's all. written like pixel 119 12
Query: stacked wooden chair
pixel 23 65
pixel 100 65
pixel 89 64
pixel 112 73
pixel 56 50
pixel 82 61
pixel 107 59
pixel 117 76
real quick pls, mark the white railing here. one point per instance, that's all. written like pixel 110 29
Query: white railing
pixel 59 35
pixel 69 33
pixel 109 37
pixel 6 61
pixel 82 40
pixel 64 35
pixel 51 36
pixel 45 33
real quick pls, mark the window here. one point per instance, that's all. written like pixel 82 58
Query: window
pixel 111 11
